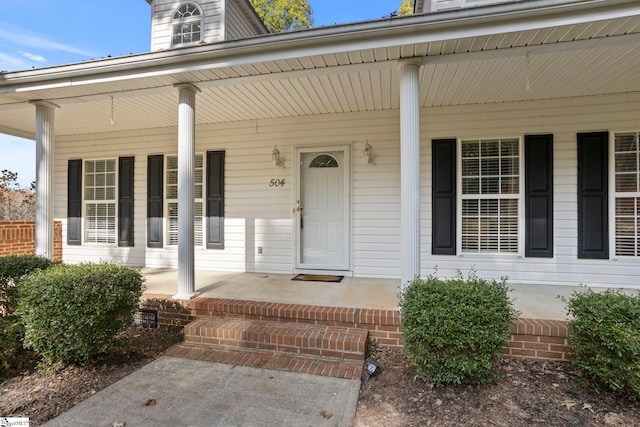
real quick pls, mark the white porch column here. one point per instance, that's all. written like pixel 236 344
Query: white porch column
pixel 410 167
pixel 186 167
pixel 45 140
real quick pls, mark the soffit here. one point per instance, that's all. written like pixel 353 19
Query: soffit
pixel 566 61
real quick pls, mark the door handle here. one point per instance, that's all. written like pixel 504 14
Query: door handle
pixel 298 207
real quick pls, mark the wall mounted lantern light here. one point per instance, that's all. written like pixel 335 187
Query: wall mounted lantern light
pixel 275 156
pixel 367 154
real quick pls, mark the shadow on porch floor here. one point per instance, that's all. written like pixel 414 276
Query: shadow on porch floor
pixel 533 301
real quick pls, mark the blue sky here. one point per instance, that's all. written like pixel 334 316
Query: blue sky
pixel 43 33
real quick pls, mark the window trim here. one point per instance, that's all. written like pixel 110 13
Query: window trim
pixel 85 217
pixel 188 20
pixel 520 198
pixel 613 253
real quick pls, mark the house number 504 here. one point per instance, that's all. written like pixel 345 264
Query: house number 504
pixel 276 183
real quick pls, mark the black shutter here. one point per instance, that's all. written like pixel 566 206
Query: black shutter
pixel 155 185
pixel 125 201
pixel 443 232
pixel 215 199
pixel 538 195
pixel 74 202
pixel 593 220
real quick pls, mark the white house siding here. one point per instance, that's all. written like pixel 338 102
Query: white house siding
pixel 106 146
pixel 237 24
pixel 257 215
pixel 564 119
pixel 162 13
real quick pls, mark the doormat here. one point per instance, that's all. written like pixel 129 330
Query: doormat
pixel 318 278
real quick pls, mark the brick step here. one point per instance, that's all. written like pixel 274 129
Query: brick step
pixel 301 363
pixel 363 318
pixel 284 337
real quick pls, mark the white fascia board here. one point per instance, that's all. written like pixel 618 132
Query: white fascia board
pixel 464 23
pixel 568 46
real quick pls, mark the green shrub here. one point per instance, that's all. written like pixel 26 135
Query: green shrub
pixel 454 328
pixel 606 339
pixel 73 312
pixel 12 269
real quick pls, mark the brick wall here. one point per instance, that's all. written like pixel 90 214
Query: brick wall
pixel 170 313
pixel 539 339
pixel 531 339
pixel 18 238
pixel 388 336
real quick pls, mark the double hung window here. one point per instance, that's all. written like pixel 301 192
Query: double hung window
pixel 172 200
pixel 627 194
pixel 490 195
pixel 100 201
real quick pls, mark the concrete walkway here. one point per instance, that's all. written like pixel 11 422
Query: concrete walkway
pixel 185 392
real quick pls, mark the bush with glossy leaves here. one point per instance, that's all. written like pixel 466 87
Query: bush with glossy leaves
pixel 605 334
pixel 454 328
pixel 73 312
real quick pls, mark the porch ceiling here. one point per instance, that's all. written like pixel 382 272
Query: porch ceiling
pixel 578 59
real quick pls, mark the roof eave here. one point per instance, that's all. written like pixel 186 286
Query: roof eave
pixel 340 38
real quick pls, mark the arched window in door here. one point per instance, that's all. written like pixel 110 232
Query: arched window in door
pixel 324 161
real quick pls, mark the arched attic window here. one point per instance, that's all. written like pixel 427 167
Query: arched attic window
pixel 186 25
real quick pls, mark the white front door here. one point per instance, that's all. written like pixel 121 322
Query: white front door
pixel 322 209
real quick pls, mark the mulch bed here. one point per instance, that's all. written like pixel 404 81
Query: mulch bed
pixel 41 395
pixel 525 393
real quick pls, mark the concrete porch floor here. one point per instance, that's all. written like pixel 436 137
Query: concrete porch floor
pixel 533 301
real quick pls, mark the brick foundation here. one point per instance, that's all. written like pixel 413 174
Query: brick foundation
pixel 531 339
pixel 384 325
pixel 170 313
pixel 537 339
pixel 18 238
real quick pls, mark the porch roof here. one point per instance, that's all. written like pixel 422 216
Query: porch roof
pixel 530 50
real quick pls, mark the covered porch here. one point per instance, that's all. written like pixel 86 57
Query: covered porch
pixel 258 312
pixel 533 301
pixel 514 70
